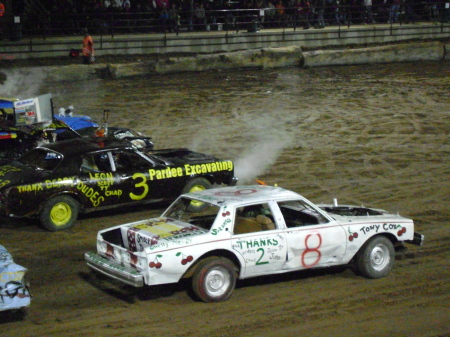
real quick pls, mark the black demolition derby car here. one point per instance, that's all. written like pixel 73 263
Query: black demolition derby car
pixel 57 181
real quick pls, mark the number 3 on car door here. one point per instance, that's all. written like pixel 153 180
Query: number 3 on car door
pixel 141 185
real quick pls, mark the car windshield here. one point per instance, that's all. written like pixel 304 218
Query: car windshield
pixel 194 212
pixel 41 159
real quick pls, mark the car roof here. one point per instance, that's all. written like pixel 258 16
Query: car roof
pixel 87 144
pixel 6 103
pixel 245 194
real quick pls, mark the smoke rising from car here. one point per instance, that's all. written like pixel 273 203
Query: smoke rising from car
pixel 267 137
pixel 254 145
pixel 257 159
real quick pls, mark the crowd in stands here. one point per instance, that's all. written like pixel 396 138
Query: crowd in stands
pixel 69 17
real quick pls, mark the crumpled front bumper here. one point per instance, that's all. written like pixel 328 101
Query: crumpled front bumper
pixel 114 270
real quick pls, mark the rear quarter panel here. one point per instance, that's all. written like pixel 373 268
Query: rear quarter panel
pixel 359 231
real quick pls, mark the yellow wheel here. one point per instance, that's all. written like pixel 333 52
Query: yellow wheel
pixel 195 185
pixel 59 213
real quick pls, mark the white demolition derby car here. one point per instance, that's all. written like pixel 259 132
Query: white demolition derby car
pixel 14 292
pixel 218 235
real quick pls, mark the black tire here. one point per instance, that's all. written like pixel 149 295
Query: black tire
pixel 59 213
pixel 21 313
pixel 193 185
pixel 376 257
pixel 214 279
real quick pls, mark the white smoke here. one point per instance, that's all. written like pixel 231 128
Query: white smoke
pixel 23 83
pixel 269 139
pixel 258 158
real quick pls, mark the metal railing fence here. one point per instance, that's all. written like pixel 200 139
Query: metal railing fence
pixel 335 13
pixel 144 32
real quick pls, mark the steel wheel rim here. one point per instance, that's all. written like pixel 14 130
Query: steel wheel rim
pixel 60 214
pixel 218 281
pixel 379 257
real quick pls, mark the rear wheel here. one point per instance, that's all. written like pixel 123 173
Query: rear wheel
pixel 376 257
pixel 194 185
pixel 59 213
pixel 214 280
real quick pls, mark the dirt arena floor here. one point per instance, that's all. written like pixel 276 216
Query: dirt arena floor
pixel 375 135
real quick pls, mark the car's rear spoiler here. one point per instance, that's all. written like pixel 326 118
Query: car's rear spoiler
pixel 417 240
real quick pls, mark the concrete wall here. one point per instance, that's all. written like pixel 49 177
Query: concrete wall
pixel 427 51
pixel 221 41
pixel 265 58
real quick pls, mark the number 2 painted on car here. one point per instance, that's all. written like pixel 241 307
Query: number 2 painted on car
pixel 258 263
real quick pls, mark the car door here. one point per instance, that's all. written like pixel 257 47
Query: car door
pixel 132 176
pixel 313 239
pixel 96 179
pixel 258 240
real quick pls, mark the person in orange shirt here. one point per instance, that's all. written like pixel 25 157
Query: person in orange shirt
pixel 2 9
pixel 88 48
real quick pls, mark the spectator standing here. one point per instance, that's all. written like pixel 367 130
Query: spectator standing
pixel 260 5
pixel 163 19
pixel 306 13
pixel 280 13
pixel 174 18
pixel 289 12
pixel 126 10
pixel 408 9
pixel 346 12
pixel 298 11
pixel 200 16
pixel 334 11
pixel 319 6
pixel 368 10
pixel 230 18
pixel 211 14
pixel 270 13
pixel 88 48
pixel 393 13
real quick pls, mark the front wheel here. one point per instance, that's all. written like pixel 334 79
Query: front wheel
pixel 59 213
pixel 376 258
pixel 214 280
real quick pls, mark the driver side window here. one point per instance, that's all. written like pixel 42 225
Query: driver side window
pixel 296 213
pixel 129 161
pixel 95 162
pixel 253 218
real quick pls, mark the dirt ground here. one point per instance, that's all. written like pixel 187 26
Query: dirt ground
pixel 375 135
